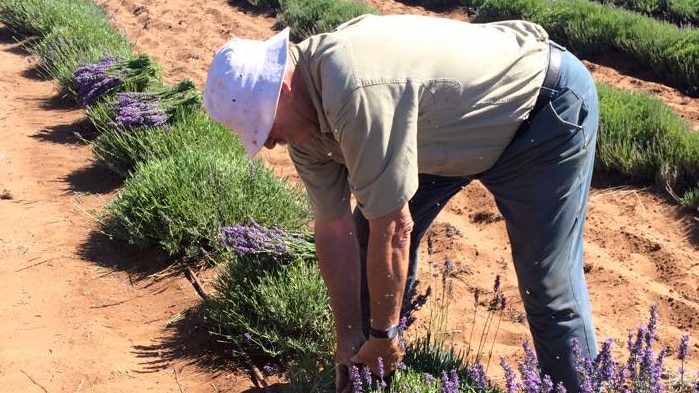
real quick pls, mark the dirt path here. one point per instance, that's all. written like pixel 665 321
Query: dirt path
pixel 71 322
pixel 83 314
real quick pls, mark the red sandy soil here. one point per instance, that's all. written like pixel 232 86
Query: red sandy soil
pixel 80 313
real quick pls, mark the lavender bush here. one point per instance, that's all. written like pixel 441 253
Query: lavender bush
pixel 271 300
pixel 66 48
pixel 642 372
pixel 180 202
pixel 122 151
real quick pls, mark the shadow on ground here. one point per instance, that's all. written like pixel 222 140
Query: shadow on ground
pixel 68 134
pixel 690 217
pixel 18 42
pixel 115 254
pixel 94 179
pixel 193 343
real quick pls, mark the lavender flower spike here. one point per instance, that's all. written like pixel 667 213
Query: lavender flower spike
pixel 683 348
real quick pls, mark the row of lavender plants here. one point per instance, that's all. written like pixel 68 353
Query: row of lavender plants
pixel 190 191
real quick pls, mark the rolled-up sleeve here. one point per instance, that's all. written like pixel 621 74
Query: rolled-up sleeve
pixel 325 180
pixel 377 131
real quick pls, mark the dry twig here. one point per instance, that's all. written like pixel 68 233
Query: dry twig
pixel 34 381
pixel 257 377
pixel 177 380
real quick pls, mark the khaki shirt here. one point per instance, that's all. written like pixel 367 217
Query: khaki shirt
pixel 401 95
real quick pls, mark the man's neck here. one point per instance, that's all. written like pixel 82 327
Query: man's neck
pixel 302 96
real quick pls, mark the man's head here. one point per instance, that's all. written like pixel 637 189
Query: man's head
pixel 243 86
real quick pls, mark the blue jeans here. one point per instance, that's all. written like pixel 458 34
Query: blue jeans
pixel 540 185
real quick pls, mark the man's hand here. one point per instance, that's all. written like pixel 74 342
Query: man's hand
pixel 388 349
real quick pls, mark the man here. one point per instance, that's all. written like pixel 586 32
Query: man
pixel 402 112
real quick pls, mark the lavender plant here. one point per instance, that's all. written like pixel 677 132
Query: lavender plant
pixel 66 48
pixel 131 111
pixel 180 202
pixel 121 151
pixel 95 81
pixel 642 372
pixel 271 300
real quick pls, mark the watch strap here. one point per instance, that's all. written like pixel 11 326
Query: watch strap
pixel 390 332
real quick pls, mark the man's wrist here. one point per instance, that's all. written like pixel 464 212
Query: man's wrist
pixel 388 333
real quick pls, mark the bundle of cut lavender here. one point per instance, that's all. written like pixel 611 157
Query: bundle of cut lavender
pixel 270 243
pixel 111 75
pixel 130 111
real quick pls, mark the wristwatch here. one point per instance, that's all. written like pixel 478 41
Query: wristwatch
pixel 390 332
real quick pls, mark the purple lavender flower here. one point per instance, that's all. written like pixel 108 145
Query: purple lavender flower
pixel 529 370
pixel 683 347
pixel 135 110
pixel 270 243
pixel 652 325
pixel 111 74
pixel 656 383
pixel 93 81
pixel 496 284
pixel 427 379
pixel 478 376
pixel 498 301
pixel 268 369
pixel 402 326
pixel 450 382
pixel 546 383
pixel 635 347
pixel 604 362
pixel 379 364
pixel 252 240
pixel 356 379
pixel 511 383
pixel 560 388
pixel 584 368
pixel 366 375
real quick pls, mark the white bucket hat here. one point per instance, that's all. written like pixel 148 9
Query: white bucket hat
pixel 243 85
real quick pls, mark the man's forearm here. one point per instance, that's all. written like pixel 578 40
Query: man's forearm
pixel 387 266
pixel 338 256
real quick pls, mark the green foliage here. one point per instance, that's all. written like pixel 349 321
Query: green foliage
pixel 489 11
pixel 308 17
pixel 584 30
pixel 643 138
pixel 312 374
pixel 431 355
pixel 121 151
pixel 69 33
pixel 180 202
pixel 273 308
pixel 679 12
pixel 41 17
pixel 592 29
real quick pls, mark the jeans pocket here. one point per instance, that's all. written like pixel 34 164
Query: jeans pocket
pixel 561 119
